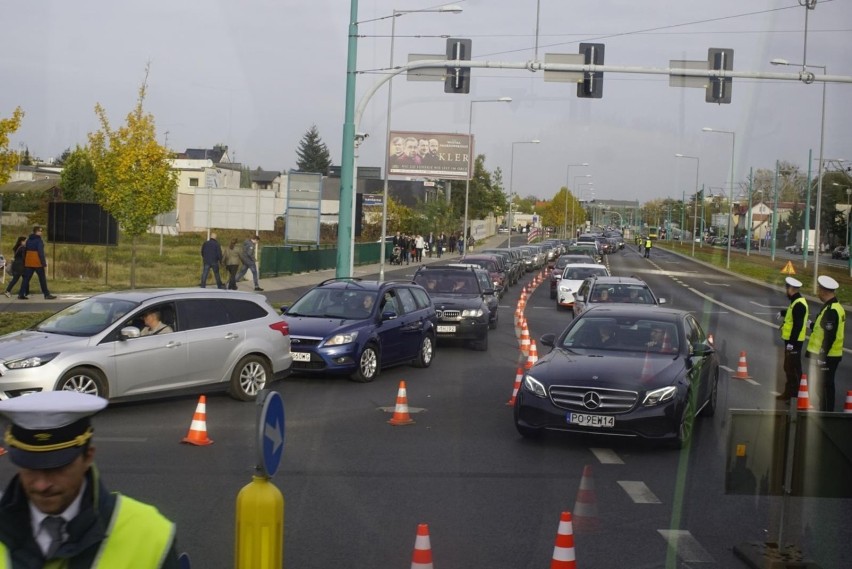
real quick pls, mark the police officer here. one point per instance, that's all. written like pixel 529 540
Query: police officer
pixel 648 245
pixel 56 512
pixel 795 317
pixel 825 346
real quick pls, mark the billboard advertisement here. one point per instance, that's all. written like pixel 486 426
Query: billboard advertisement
pixel 429 154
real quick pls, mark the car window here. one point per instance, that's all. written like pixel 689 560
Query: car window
pixel 198 313
pixel 423 300
pixel 696 334
pixel 389 303
pixel 407 300
pixel 484 281
pixel 242 310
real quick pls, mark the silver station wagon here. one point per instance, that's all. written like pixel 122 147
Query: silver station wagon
pixel 203 338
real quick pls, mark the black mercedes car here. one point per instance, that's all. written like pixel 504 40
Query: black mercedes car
pixel 463 312
pixel 627 370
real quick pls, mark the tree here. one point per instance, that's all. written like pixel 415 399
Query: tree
pixel 78 177
pixel 8 158
pixel 313 153
pixel 62 158
pixel 135 181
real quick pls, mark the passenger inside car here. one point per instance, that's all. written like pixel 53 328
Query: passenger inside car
pixel 154 324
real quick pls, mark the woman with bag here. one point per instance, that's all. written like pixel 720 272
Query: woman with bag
pixel 17 264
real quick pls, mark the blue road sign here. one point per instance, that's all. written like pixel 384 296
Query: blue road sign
pixel 271 433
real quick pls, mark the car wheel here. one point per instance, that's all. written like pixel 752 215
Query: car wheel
pixel 84 380
pixel 368 365
pixel 249 376
pixel 710 409
pixel 481 345
pixel 426 352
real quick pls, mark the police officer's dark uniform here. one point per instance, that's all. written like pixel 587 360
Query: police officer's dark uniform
pixel 793 328
pixel 85 525
pixel 825 346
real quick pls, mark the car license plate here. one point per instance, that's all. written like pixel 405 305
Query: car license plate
pixel 446 329
pixel 591 420
pixel 301 356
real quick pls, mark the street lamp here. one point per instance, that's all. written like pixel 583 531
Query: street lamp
pixel 567 178
pixel 731 205
pixel 695 213
pixel 579 198
pixel 512 177
pixel 807 77
pixel 396 13
pixel 471 161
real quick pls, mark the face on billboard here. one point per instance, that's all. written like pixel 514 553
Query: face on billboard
pixel 433 146
pixel 399 146
pixel 423 147
pixel 410 147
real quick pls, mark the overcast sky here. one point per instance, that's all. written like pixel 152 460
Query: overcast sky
pixel 256 74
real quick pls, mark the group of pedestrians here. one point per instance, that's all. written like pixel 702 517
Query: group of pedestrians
pixel 213 255
pixel 413 246
pixel 29 260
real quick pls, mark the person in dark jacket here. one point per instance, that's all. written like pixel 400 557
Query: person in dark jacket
pixel 56 512
pixel 211 256
pixel 35 262
pixel 249 261
pixel 17 264
pixel 793 328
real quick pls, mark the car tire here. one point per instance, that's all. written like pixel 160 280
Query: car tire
pixel 710 409
pixel 426 352
pixel 84 380
pixel 250 375
pixel 481 345
pixel 368 365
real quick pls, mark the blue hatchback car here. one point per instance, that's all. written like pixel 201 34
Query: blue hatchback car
pixel 354 327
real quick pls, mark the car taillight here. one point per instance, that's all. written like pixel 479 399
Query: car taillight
pixel 281 327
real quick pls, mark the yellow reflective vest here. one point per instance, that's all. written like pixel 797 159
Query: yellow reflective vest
pixel 818 334
pixel 787 327
pixel 138 537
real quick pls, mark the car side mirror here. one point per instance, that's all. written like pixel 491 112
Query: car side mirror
pixel 579 297
pixel 661 300
pixel 389 315
pixel 547 340
pixel 129 332
pixel 284 309
pixel 701 349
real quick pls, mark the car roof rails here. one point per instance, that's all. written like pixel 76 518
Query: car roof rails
pixel 340 279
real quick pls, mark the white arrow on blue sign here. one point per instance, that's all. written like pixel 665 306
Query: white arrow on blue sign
pixel 271 433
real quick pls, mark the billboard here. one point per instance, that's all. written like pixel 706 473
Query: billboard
pixel 430 154
pixel 80 223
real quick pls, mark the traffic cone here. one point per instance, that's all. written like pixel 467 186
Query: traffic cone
pixel 563 550
pixel 400 412
pixel 197 434
pixel 742 367
pixel 803 402
pixel 647 370
pixel 525 339
pixel 847 407
pixel 532 358
pixel 3 451
pixel 586 504
pixel 517 387
pixel 422 557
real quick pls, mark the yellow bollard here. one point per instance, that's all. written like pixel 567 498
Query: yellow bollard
pixel 259 526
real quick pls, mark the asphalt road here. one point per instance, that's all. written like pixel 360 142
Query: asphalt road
pixel 356 487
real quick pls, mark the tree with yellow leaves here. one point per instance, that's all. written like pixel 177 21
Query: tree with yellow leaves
pixel 135 181
pixel 8 158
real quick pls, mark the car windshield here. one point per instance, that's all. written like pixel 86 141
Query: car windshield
pixel 334 303
pixel 630 335
pixel 461 282
pixel 86 318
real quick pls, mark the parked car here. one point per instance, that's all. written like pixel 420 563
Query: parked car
pixel 625 371
pixel 628 290
pixel 212 338
pixel 357 328
pixel 572 279
pixel 462 311
pixel 840 252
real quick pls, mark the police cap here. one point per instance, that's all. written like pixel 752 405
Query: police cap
pixel 828 283
pixel 794 283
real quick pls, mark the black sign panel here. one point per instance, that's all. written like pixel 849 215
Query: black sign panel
pixel 81 224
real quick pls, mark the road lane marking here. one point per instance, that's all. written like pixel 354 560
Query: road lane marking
pixel 708 283
pixel 731 371
pixel 768 305
pixel 639 492
pixel 606 456
pixel 686 546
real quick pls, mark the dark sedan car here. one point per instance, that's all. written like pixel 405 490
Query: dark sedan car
pixel 634 371
pixel 463 312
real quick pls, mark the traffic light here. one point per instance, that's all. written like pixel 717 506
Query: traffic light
pixel 458 78
pixel 718 88
pixel 592 84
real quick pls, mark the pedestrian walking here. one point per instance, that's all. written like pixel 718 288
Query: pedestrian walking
pixel 249 261
pixel 648 244
pixel 57 512
pixel 795 317
pixel 211 256
pixel 825 346
pixel 231 259
pixel 35 262
pixel 17 264
pixel 442 242
pixel 419 245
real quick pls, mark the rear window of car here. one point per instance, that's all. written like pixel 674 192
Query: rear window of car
pixel 580 273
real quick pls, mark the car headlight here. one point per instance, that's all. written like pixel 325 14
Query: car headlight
pixel 340 339
pixel 534 386
pixel 472 313
pixel 565 288
pixel 31 361
pixel 659 396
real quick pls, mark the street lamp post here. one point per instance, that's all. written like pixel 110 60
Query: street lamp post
pixel 512 174
pixel 567 189
pixel 695 208
pixel 471 162
pixel 394 16
pixel 731 204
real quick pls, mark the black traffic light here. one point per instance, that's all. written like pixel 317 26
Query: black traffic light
pixel 718 88
pixel 458 78
pixel 592 84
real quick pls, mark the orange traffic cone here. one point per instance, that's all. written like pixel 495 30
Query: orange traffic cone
pixel 742 367
pixel 3 451
pixel 803 402
pixel 847 407
pixel 532 358
pixel 525 339
pixel 563 551
pixel 422 557
pixel 647 370
pixel 400 412
pixel 197 434
pixel 586 504
pixel 517 387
